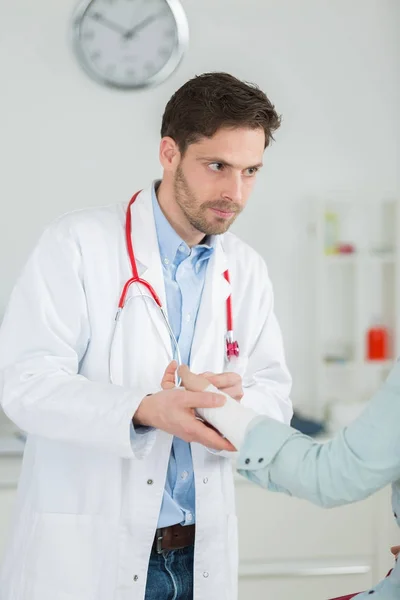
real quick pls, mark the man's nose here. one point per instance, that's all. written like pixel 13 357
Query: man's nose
pixel 233 189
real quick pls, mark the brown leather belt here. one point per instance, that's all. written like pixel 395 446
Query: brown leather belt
pixel 174 537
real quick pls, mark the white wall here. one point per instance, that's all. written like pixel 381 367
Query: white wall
pixel 330 66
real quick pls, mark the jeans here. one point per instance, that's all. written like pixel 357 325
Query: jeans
pixel 170 575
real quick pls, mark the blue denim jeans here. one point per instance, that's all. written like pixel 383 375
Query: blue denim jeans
pixel 170 575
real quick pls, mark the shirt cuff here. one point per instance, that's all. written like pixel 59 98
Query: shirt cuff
pixel 264 438
pixel 138 430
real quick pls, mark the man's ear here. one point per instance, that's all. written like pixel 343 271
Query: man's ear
pixel 170 155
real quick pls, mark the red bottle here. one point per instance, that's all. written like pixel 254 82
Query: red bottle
pixel 377 343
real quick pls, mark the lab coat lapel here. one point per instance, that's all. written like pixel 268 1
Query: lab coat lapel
pixel 208 349
pixel 146 249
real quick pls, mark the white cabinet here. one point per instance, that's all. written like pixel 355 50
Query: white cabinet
pixel 292 549
pixel 10 467
pixel 301 588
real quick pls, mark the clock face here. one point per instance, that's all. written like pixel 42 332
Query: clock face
pixel 130 44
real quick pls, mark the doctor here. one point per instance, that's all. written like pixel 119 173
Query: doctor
pixel 124 494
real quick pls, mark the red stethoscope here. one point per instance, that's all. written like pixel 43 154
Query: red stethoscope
pixel 232 347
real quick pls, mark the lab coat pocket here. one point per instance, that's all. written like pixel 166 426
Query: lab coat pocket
pixel 66 557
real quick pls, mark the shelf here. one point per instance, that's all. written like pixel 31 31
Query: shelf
pixel 358 257
pixel 352 364
pixel 353 291
pixel 389 258
pixel 341 259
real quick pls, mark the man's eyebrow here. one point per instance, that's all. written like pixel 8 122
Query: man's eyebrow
pixel 226 163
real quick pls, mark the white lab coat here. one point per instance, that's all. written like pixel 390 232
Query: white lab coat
pixel 89 500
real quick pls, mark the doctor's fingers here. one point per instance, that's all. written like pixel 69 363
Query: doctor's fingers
pixel 234 392
pixel 202 434
pixel 168 380
pixel 224 381
pixel 191 381
pixel 229 383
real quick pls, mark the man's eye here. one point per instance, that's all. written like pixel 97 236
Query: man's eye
pixel 216 166
pixel 251 171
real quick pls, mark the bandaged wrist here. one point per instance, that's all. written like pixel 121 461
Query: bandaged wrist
pixel 231 420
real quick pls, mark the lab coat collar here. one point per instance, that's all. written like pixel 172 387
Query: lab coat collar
pixel 145 247
pixel 216 288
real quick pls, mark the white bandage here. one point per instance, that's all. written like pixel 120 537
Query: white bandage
pixel 231 420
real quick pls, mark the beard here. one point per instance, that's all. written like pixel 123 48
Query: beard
pixel 196 213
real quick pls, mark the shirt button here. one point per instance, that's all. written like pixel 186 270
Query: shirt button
pixel 189 517
pixel 184 475
pixel 166 261
pixel 188 317
pixel 135 578
pixel 205 574
pixel 205 480
pixel 150 482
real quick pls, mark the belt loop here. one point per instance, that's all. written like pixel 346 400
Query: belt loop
pixel 159 538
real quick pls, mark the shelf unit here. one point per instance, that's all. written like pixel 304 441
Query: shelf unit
pixel 351 290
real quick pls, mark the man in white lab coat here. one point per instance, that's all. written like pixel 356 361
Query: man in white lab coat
pixel 124 494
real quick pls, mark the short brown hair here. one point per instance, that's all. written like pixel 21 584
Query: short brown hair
pixel 210 101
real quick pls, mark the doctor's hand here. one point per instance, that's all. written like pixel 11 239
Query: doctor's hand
pixel 229 383
pixel 173 410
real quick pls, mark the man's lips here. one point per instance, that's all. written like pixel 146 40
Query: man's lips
pixel 223 213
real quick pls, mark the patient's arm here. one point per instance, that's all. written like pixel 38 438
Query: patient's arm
pixel 361 459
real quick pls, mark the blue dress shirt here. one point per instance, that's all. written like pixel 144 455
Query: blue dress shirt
pixel 184 271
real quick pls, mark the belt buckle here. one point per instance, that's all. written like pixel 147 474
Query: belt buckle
pixel 159 539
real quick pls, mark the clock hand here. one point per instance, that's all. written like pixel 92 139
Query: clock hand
pixel 110 24
pixel 131 32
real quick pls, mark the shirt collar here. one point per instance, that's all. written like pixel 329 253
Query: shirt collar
pixel 169 241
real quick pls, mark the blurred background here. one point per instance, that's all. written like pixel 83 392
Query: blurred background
pixel 325 215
